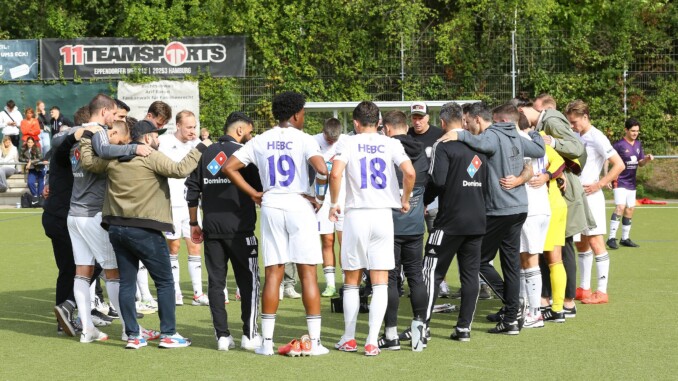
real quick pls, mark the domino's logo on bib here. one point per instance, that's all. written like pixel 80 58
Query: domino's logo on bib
pixel 215 165
pixel 474 166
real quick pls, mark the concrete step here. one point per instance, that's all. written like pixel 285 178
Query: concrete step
pixel 16 187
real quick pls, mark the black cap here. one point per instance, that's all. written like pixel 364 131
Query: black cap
pixel 144 127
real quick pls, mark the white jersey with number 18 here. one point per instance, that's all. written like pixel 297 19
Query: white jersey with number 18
pixel 281 155
pixel 370 173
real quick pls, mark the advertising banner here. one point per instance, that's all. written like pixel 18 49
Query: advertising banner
pixel 18 60
pixel 180 95
pixel 222 56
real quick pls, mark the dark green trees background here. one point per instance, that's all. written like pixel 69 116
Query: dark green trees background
pixel 337 50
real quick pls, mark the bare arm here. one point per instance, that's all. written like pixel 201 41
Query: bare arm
pixel 196 231
pixel 232 170
pixel 510 182
pixel 617 168
pixel 335 185
pixel 409 176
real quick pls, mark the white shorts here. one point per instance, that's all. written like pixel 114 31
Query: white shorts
pixel 533 234
pixel 325 226
pixel 626 197
pixel 596 203
pixel 90 242
pixel 290 236
pixel 180 220
pixel 367 241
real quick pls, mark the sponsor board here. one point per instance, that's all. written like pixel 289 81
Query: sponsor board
pixel 222 56
pixel 18 60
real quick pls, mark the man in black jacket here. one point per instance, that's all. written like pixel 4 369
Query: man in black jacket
pixel 229 218
pixel 458 176
pixel 409 235
pixel 58 121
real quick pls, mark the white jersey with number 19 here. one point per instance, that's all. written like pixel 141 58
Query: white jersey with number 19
pixel 371 181
pixel 281 155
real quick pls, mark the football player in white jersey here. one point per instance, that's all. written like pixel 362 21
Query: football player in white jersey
pixel 372 190
pixel 598 149
pixel 289 230
pixel 328 140
pixel 176 146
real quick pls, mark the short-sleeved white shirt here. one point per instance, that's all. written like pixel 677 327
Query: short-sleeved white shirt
pixel 281 155
pixel 371 180
pixel 598 149
pixel 176 150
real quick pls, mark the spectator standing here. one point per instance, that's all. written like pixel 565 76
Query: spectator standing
pixel 10 120
pixel 58 121
pixel 43 120
pixel 30 127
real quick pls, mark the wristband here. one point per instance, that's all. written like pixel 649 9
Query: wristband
pixel 334 204
pixel 320 202
pixel 320 177
pixel 549 174
pixel 193 223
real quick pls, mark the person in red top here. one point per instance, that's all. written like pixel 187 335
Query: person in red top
pixel 30 127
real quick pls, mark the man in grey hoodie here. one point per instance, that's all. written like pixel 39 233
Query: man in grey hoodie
pixel 506 208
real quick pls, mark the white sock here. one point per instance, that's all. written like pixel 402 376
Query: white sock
pixel 142 283
pixel 585 265
pixel 626 229
pixel 267 326
pixel 533 288
pixel 93 295
pixel 351 308
pixel 329 276
pixel 313 324
pixel 614 225
pixel 195 271
pixel 174 262
pixel 83 301
pixel 391 333
pixel 377 311
pixel 113 290
pixel 523 285
pixel 603 269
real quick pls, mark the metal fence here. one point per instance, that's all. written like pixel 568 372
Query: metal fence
pixel 410 70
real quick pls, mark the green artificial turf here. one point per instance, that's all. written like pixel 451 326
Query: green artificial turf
pixel 634 337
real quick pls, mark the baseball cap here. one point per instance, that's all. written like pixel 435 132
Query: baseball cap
pixel 144 127
pixel 418 108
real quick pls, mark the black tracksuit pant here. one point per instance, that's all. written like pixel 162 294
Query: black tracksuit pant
pixel 439 253
pixel 407 251
pixel 503 234
pixel 243 253
pixel 57 231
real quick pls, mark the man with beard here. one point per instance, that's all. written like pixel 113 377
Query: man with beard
pixel 229 217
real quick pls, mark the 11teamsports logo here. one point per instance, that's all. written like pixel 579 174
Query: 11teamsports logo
pixel 474 166
pixel 215 165
pixel 175 54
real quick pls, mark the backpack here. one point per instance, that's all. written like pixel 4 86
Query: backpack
pixel 26 200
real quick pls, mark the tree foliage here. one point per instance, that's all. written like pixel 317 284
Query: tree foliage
pixel 350 49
